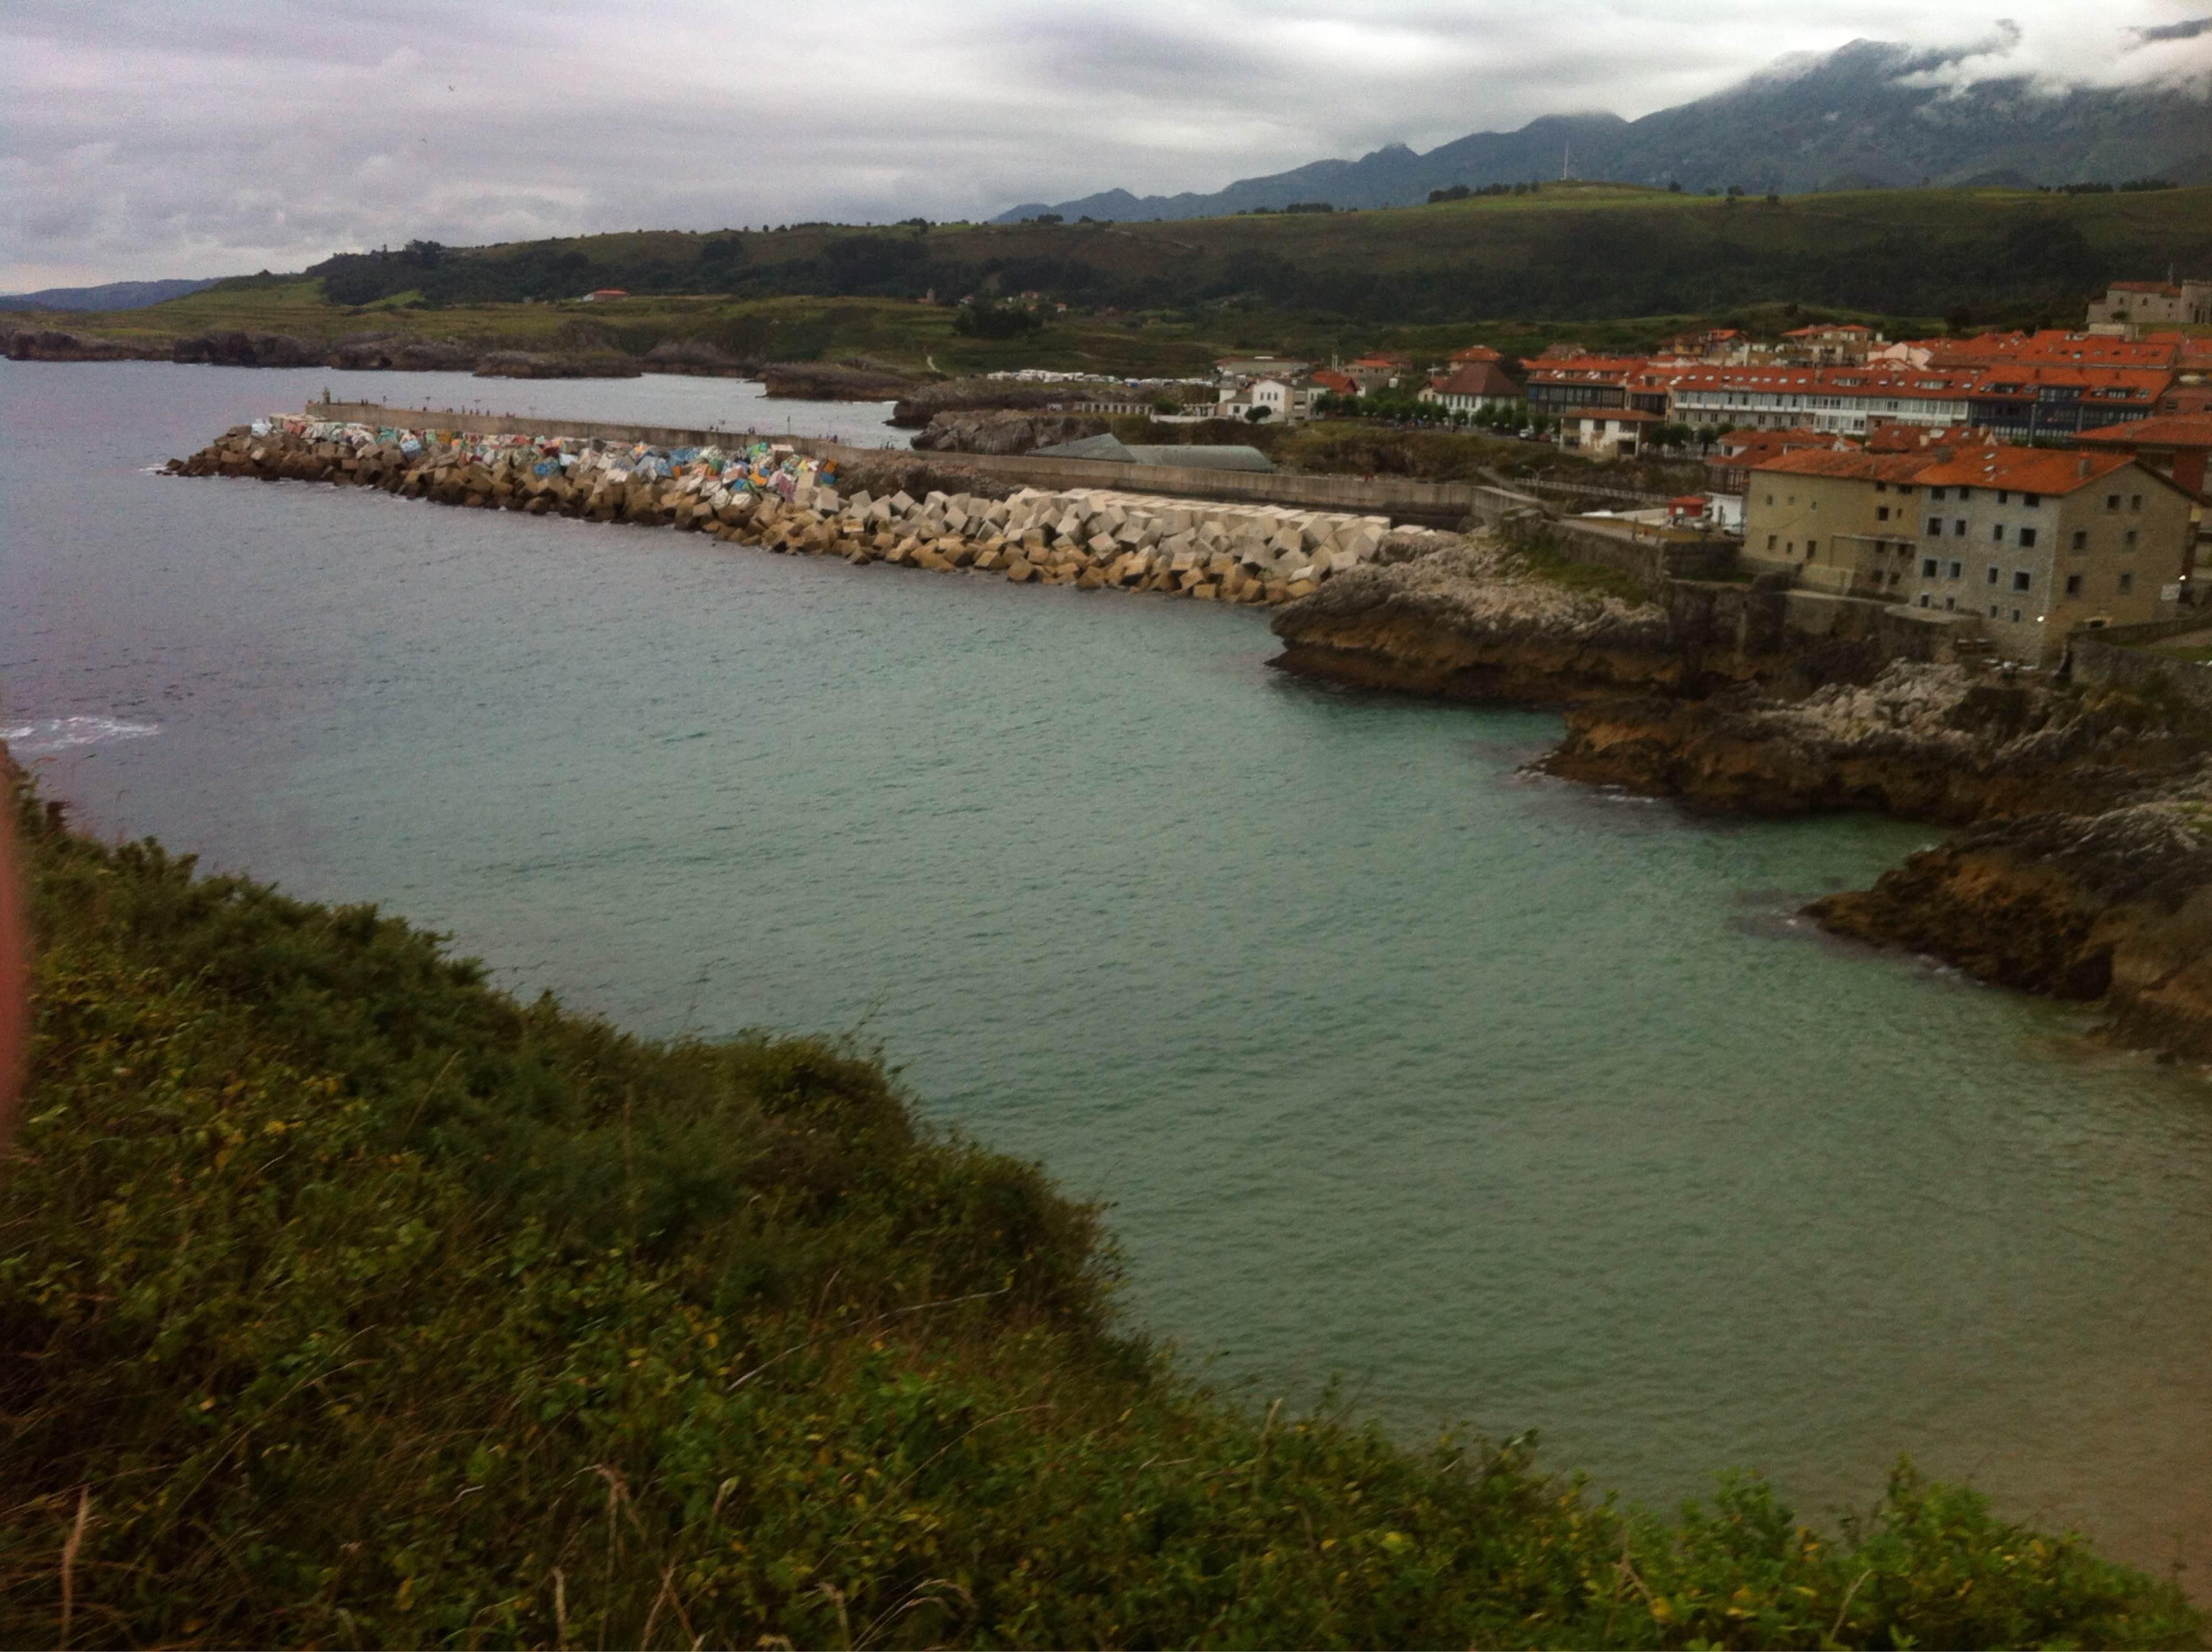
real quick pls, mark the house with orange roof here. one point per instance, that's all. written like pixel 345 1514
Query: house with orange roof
pixel 2031 541
pixel 1336 383
pixel 1834 344
pixel 1377 371
pixel 1474 353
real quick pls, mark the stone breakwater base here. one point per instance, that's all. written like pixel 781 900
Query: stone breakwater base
pixel 1093 538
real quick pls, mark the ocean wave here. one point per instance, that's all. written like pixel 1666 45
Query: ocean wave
pixel 43 736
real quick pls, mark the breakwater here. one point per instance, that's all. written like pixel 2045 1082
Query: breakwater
pixel 783 497
pixel 1432 504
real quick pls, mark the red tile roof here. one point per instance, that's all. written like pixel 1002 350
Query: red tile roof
pixel 2054 347
pixel 1854 464
pixel 2030 470
pixel 2180 430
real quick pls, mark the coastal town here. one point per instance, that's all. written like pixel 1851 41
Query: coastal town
pixel 2014 486
pixel 1339 826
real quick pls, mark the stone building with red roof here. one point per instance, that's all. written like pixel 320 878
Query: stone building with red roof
pixel 2031 541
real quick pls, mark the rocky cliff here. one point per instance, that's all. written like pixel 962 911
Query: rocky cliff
pixel 1471 623
pixel 1925 742
pixel 2113 907
pixel 2084 867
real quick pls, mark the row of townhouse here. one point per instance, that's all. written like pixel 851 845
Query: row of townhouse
pixel 2033 541
pixel 1602 403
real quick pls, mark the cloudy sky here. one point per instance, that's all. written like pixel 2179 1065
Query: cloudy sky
pixel 201 138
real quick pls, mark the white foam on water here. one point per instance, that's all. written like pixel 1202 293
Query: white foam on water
pixel 43 736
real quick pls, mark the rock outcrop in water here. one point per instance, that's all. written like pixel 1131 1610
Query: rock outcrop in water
pixel 533 364
pixel 53 344
pixel 1003 430
pixel 1470 621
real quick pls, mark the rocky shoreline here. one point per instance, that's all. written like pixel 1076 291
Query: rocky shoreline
pixel 2081 862
pixel 2081 868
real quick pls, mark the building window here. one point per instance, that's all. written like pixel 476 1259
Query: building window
pixel 2073 585
pixel 1935 493
pixel 1881 513
pixel 2031 500
pixel 2127 583
pixel 1957 569
pixel 1996 534
pixel 2027 539
pixel 1927 567
pixel 1924 600
pixel 1770 539
pixel 1770 499
pixel 1993 573
pixel 2021 579
pixel 2003 497
pixel 2015 616
pixel 2111 501
pixel 1993 610
pixel 1959 528
pixel 2080 539
pixel 1811 545
pixel 2128 540
pixel 1965 494
pixel 1936 527
pixel 2134 502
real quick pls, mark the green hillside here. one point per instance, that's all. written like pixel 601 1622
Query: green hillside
pixel 1579 259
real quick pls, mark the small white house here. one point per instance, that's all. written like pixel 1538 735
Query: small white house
pixel 1608 432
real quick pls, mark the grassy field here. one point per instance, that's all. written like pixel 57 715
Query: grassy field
pixel 1608 265
pixel 344 1301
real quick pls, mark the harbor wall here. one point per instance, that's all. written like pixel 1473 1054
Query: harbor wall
pixel 1428 504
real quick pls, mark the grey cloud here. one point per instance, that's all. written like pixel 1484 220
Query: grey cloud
pixel 2153 33
pixel 198 138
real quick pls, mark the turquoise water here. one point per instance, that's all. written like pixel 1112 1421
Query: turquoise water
pixel 1510 1102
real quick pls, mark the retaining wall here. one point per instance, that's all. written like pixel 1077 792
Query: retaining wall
pixel 1431 504
pixel 1653 561
pixel 2113 656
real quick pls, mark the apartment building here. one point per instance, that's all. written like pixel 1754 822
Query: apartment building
pixel 1842 401
pixel 2032 542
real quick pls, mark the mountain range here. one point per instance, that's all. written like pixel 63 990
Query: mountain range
pixel 111 295
pixel 1871 114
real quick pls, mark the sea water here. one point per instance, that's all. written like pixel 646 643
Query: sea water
pixel 1510 1104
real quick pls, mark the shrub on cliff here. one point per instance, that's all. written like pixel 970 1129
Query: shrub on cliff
pixel 343 1299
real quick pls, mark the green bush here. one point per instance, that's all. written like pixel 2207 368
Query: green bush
pixel 345 1300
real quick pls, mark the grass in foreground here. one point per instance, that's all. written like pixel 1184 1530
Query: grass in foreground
pixel 344 1300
